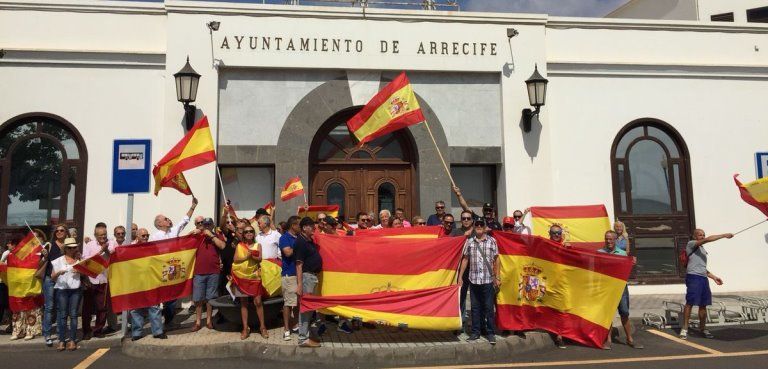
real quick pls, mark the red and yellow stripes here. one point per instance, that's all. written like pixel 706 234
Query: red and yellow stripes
pixel 270 276
pixel 313 210
pixel 148 274
pixel 433 309
pixel 570 292
pixel 754 193
pixel 24 290
pixel 365 265
pixel 583 226
pixel 92 266
pixel 410 232
pixel 292 188
pixel 393 108
pixel 194 149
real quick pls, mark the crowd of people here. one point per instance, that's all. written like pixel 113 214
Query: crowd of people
pixel 237 247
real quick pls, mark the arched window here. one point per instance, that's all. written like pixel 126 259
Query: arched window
pixel 42 166
pixel 651 189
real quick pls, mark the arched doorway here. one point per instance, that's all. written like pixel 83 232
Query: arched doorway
pixel 652 196
pixel 379 175
pixel 43 164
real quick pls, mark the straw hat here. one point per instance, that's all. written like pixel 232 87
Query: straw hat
pixel 70 242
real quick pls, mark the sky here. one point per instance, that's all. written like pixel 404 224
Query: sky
pixel 573 8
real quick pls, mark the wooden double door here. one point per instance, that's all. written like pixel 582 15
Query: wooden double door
pixel 369 188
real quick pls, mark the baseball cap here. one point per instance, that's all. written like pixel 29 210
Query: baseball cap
pixel 487 205
pixel 508 220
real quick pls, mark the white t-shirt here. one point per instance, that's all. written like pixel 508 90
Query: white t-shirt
pixel 270 244
pixel 174 232
pixel 4 258
pixel 70 279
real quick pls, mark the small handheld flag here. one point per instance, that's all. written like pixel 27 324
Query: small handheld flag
pixel 292 189
pixel 393 108
pixel 754 193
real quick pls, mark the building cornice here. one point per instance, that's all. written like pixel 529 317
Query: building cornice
pixel 89 6
pixel 93 58
pixel 662 70
pixel 653 25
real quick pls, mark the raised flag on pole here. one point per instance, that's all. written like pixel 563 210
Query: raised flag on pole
pixel 754 193
pixel 432 309
pixel 24 290
pixel 393 108
pixel 195 149
pixel 292 189
pixel 571 292
pixel 150 273
pixel 583 226
pixel 313 210
pixel 93 266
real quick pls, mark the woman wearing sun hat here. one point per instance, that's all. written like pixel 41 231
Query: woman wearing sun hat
pixel 68 292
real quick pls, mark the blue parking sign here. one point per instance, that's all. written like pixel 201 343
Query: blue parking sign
pixel 131 166
pixel 761 161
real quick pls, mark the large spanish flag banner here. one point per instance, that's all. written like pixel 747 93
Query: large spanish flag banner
pixel 24 290
pixel 571 292
pixel 150 273
pixel 364 265
pixel 393 108
pixel 583 226
pixel 313 210
pixel 433 309
pixel 754 193
pixel 93 266
pixel 410 232
pixel 194 149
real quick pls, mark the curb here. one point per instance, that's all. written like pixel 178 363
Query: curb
pixel 39 345
pixel 480 352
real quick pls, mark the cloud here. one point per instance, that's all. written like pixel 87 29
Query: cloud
pixel 574 8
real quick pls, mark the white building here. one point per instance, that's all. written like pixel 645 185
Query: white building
pixel 649 117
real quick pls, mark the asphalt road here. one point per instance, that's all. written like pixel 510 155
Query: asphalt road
pixel 733 347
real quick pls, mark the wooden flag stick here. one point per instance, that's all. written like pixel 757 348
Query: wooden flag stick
pixel 750 227
pixel 447 171
pixel 221 183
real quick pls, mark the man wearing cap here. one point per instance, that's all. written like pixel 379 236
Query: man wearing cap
pixel 481 256
pixel 488 213
pixel 206 275
pixel 515 224
pixel 309 263
pixel 153 312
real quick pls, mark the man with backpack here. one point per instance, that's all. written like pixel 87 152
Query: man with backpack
pixel 696 283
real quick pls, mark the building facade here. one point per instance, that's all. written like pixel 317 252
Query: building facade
pixel 651 118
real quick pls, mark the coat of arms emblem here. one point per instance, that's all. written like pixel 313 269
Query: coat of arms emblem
pixel 532 286
pixel 397 106
pixel 174 269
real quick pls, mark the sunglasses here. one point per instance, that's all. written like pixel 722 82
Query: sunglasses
pixel 421 223
pixel 439 207
pixel 249 231
pixel 448 223
pixel 556 233
pixel 466 218
pixel 144 236
pixel 365 220
pixel 198 223
pixel 517 216
pixel 61 230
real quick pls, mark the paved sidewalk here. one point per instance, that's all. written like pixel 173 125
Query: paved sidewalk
pixel 640 304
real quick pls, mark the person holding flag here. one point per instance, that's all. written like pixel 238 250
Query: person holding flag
pixel 246 280
pixel 25 271
pixel 67 284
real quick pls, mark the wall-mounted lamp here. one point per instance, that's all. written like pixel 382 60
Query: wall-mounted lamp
pixel 213 25
pixel 537 95
pixel 186 91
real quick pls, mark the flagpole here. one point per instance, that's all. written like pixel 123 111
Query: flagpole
pixel 447 171
pixel 753 226
pixel 221 183
pixel 33 233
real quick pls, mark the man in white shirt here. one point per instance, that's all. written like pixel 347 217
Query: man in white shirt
pixel 268 238
pixel 165 230
pixel 165 227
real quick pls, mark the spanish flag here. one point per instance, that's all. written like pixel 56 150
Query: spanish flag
pixel 93 266
pixel 583 226
pixel 571 292
pixel 24 290
pixel 269 207
pixel 410 232
pixel 292 189
pixel 393 108
pixel 270 276
pixel 365 265
pixel 432 309
pixel 754 193
pixel 246 274
pixel 313 210
pixel 150 273
pixel 194 150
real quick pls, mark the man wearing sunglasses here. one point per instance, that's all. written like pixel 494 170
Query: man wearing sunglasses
pixel 437 217
pixel 481 258
pixel 515 224
pixel 556 235
pixel 363 220
pixel 448 224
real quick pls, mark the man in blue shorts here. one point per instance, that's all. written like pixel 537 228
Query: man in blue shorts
pixel 696 283
pixel 610 248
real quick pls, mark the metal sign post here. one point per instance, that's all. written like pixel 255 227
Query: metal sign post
pixel 130 175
